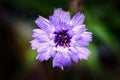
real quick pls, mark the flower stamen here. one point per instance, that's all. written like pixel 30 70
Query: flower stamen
pixel 65 45
pixel 62 38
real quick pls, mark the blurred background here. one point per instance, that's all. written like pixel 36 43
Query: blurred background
pixel 17 59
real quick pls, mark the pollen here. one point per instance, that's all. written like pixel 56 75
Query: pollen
pixel 62 39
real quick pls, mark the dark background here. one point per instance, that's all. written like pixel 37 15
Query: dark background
pixel 17 59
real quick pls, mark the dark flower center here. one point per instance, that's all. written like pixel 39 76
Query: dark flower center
pixel 62 38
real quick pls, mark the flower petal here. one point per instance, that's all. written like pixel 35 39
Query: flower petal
pixel 34 44
pixel 58 24
pixel 40 47
pixel 81 56
pixel 79 29
pixel 39 31
pixel 83 52
pixel 73 50
pixel 74 57
pixel 54 20
pixel 44 24
pixel 45 55
pixel 83 39
pixel 65 26
pixel 70 33
pixel 40 35
pixel 60 16
pixel 43 47
pixel 77 19
pixel 61 59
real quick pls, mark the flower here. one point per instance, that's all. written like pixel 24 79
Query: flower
pixel 61 38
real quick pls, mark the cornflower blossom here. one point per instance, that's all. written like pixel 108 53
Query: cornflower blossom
pixel 61 38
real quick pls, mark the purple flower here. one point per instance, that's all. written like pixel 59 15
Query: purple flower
pixel 61 38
